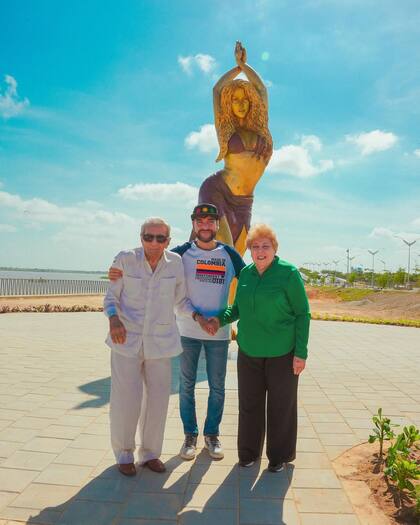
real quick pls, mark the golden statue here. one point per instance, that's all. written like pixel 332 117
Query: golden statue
pixel 241 121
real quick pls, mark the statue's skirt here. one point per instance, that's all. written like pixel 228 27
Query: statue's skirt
pixel 236 208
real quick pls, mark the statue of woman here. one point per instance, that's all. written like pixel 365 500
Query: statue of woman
pixel 241 120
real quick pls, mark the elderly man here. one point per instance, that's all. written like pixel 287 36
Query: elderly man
pixel 143 337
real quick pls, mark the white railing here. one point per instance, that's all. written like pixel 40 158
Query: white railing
pixel 10 286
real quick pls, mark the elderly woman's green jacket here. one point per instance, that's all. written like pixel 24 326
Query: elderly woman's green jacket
pixel 273 311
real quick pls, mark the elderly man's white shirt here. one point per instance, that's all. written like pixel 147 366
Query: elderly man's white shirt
pixel 146 302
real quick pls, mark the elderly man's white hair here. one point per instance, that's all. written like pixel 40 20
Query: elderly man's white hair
pixel 155 221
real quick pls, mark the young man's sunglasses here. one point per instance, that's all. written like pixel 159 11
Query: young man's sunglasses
pixel 149 237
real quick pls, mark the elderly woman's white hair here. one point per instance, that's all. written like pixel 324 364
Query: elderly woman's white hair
pixel 155 221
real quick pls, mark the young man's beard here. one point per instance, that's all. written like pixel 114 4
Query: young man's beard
pixel 206 238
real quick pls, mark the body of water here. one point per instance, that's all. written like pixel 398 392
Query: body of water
pixel 23 274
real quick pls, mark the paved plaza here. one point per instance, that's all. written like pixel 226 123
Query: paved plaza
pixel 56 466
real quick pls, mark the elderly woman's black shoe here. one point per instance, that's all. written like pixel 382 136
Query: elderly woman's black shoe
pixel 275 468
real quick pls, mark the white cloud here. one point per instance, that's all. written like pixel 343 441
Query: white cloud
pixel 40 211
pixel 417 152
pixel 205 140
pixel 205 63
pixel 373 141
pixel 311 142
pixel 389 234
pixel 379 231
pixel 7 228
pixel 10 104
pixel 159 192
pixel 297 161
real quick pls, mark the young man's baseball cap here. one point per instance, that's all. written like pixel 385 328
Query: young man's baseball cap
pixel 205 210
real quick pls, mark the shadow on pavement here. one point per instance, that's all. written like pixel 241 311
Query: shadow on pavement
pixel 100 389
pixel 181 496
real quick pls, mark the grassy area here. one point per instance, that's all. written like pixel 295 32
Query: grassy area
pixel 343 294
pixel 370 320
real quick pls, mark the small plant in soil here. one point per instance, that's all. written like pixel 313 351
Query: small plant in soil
pixel 382 431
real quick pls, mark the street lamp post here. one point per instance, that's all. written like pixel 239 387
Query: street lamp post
pixel 335 269
pixel 383 262
pixel 409 244
pixel 373 263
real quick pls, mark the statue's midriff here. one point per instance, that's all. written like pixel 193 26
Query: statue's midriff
pixel 242 171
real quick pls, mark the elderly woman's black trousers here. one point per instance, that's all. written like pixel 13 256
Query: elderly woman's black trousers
pixel 267 389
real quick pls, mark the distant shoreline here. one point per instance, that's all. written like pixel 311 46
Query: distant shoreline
pixel 44 270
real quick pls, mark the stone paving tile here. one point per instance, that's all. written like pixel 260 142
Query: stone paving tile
pixel 6 498
pixel 57 474
pixel 268 512
pixel 319 500
pixel 315 478
pixel 41 444
pixel 39 496
pixel 14 480
pixel 329 519
pixel 171 482
pixel 213 474
pixel 140 521
pixel 339 439
pixel 331 428
pixel 204 516
pixel 322 417
pixel 153 506
pixel 59 431
pixel 77 456
pixel 312 460
pixel 102 489
pixel 89 441
pixel 43 517
pixel 29 460
pixel 221 496
pixel 90 513
pixel 31 422
pixel 309 445
pixel 5 423
pixel 20 435
pixel 7 448
pixel 267 485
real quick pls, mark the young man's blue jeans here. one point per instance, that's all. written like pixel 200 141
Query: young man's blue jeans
pixel 216 358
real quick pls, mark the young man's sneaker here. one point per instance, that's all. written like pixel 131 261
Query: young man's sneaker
pixel 275 468
pixel 214 447
pixel 189 447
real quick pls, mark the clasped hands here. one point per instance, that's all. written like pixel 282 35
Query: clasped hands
pixel 210 325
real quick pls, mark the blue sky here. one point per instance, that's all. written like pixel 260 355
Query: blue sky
pixel 106 118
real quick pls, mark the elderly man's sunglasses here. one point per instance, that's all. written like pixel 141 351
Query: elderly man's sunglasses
pixel 149 237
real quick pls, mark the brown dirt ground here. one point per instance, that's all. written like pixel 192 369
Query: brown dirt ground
pixel 373 500
pixel 379 305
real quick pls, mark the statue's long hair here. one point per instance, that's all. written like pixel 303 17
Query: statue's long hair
pixel 256 119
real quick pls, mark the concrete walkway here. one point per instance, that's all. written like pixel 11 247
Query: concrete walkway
pixel 55 460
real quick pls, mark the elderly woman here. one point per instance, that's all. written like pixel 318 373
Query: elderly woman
pixel 273 329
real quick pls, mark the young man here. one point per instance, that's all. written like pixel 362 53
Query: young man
pixel 143 337
pixel 209 268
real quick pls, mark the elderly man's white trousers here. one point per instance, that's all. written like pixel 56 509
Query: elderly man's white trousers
pixel 140 390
